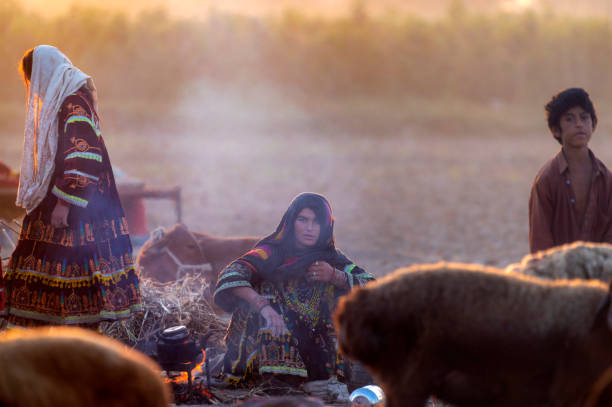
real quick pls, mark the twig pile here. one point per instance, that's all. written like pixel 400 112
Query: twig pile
pixel 185 302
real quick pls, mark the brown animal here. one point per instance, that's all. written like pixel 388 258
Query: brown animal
pixel 169 255
pixel 476 336
pixel 577 260
pixel 601 392
pixel 71 367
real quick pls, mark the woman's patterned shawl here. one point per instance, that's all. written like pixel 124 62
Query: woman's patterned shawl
pixel 276 257
pixel 53 79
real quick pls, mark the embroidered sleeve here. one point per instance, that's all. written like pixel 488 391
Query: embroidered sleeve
pixel 357 276
pixel 80 150
pixel 236 274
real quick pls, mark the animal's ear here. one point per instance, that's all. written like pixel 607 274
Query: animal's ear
pixel 158 234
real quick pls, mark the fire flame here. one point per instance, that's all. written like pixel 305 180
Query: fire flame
pixel 183 377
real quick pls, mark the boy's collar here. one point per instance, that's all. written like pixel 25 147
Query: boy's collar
pixel 564 166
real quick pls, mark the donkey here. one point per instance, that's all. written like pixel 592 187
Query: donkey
pixel 171 254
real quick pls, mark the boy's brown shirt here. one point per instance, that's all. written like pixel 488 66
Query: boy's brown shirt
pixel 553 218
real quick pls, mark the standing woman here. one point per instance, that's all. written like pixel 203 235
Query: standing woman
pixel 282 294
pixel 73 262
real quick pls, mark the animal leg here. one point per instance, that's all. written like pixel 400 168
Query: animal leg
pixel 406 389
pixel 464 389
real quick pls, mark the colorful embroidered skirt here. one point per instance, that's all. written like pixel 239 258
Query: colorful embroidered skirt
pixel 80 275
pixel 308 350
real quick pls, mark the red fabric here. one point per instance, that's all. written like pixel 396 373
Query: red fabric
pixel 136 216
pixel 8 178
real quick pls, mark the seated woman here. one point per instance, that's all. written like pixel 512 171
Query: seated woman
pixel 282 294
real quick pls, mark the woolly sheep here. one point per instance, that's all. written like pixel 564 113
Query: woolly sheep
pixel 476 336
pixel 71 367
pixel 577 260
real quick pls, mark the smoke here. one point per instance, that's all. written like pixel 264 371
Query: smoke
pixel 250 150
pixel 232 110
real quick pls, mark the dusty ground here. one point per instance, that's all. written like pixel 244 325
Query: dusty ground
pixel 398 199
pixel 400 196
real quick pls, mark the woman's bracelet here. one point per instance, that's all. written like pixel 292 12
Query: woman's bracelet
pixel 261 303
pixel 262 307
pixel 339 278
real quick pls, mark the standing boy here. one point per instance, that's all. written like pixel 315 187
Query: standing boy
pixel 571 195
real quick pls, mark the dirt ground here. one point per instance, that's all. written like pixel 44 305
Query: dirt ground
pixel 400 197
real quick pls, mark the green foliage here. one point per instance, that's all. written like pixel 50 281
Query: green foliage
pixel 142 57
pixel 479 57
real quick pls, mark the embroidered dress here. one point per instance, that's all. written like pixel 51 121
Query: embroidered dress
pixel 82 274
pixel 277 272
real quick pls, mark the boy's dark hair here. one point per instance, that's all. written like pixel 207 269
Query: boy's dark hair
pixel 25 65
pixel 565 100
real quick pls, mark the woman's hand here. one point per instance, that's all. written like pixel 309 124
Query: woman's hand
pixel 321 271
pixel 59 216
pixel 324 272
pixel 274 321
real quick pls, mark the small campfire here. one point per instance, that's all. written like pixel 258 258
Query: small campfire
pixel 182 358
pixel 175 327
pixel 193 392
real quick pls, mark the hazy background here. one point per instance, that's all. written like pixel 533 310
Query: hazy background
pixel 328 8
pixel 421 121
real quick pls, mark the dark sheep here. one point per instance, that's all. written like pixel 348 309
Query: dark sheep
pixel 476 336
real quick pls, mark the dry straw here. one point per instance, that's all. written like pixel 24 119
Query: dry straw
pixel 185 302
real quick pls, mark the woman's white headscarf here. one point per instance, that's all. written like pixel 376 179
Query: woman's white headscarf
pixel 53 79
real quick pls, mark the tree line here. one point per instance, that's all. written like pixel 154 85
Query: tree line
pixel 511 57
